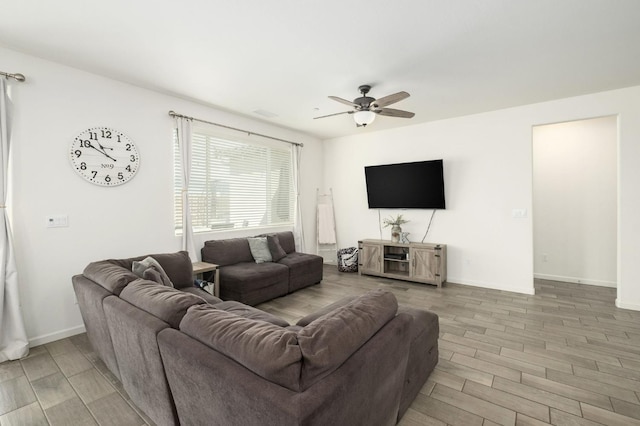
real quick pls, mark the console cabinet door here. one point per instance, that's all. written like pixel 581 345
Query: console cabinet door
pixel 371 258
pixel 425 265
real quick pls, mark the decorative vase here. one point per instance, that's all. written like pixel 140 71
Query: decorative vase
pixel 395 233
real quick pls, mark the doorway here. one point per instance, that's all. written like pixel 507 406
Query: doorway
pixel 575 198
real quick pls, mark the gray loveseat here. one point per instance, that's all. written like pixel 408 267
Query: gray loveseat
pixel 244 280
pixel 186 357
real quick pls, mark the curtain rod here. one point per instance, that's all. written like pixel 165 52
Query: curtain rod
pixel 175 114
pixel 16 76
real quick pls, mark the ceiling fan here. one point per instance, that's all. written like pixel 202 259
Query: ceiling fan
pixel 366 108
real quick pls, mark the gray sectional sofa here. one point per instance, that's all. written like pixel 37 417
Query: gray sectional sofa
pixel 246 281
pixel 186 357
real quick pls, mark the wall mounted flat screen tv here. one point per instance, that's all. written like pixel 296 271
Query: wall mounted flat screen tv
pixel 417 185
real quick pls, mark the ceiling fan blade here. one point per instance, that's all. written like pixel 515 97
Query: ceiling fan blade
pixel 391 99
pixel 343 101
pixel 390 112
pixel 331 115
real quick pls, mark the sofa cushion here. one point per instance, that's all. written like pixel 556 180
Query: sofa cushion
pixel 247 276
pixel 304 269
pixel 304 321
pixel 203 294
pixel 153 271
pixel 178 267
pixel 252 283
pixel 277 252
pixel 111 277
pixel 266 349
pixel 165 303
pixel 300 263
pixel 259 249
pixel 250 312
pixel 115 274
pixel 226 252
pixel 286 240
pixel 331 339
pixel 153 274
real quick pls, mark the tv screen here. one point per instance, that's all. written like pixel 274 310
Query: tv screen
pixel 417 185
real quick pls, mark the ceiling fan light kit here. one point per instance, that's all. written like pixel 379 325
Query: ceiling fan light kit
pixel 366 108
pixel 362 118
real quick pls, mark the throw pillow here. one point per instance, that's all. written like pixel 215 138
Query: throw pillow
pixel 277 252
pixel 259 249
pixel 139 269
pixel 152 274
pixel 178 267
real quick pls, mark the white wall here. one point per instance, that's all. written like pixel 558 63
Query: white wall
pixel 54 105
pixel 482 185
pixel 488 172
pixel 575 200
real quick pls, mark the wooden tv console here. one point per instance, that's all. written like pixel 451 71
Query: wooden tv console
pixel 418 262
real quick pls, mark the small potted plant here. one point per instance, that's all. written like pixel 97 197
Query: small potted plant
pixel 395 223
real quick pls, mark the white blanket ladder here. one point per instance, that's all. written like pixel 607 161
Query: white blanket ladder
pixel 326 238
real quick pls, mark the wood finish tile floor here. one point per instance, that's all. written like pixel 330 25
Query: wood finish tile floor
pixel 566 356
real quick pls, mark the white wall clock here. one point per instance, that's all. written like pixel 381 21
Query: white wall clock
pixel 104 156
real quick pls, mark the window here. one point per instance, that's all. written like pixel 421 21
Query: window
pixel 235 183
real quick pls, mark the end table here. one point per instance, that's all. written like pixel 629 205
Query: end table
pixel 199 268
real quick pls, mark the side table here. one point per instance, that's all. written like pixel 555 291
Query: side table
pixel 199 268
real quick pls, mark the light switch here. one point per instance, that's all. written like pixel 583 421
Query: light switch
pixel 57 221
pixel 519 213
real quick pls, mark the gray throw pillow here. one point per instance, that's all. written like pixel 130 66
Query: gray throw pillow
pixel 152 274
pixel 260 249
pixel 277 252
pixel 139 268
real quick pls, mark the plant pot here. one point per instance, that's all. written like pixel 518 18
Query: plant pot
pixel 395 233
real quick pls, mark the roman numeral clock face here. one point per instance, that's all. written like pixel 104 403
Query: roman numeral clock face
pixel 104 156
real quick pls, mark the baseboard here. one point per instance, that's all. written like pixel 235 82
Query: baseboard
pixel 521 290
pixel 575 280
pixel 623 305
pixel 52 337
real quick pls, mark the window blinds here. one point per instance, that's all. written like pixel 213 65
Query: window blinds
pixel 236 184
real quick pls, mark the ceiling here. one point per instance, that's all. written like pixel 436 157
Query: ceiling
pixel 284 57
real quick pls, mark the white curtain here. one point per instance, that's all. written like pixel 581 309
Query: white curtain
pixel 183 132
pixel 13 338
pixel 298 232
